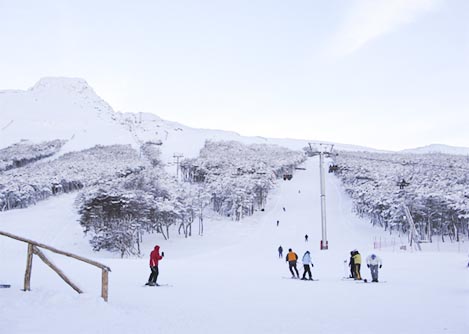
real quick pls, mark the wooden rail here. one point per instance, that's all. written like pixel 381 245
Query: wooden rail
pixel 33 249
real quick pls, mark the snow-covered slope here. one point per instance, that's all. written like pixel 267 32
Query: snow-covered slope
pixel 231 279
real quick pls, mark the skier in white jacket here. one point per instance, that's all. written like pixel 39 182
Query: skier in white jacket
pixel 374 262
pixel 306 262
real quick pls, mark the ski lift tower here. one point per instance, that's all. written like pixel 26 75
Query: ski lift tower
pixel 322 150
pixel 177 156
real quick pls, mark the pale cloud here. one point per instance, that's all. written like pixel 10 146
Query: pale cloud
pixel 367 20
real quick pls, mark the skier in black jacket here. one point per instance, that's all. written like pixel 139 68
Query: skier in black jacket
pixel 352 265
pixel 280 251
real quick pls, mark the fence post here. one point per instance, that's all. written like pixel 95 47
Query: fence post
pixel 104 284
pixel 29 265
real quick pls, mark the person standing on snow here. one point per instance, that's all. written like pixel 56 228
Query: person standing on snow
pixel 357 260
pixel 352 265
pixel 374 262
pixel 280 252
pixel 306 262
pixel 155 257
pixel 306 238
pixel 291 258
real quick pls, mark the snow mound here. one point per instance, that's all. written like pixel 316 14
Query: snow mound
pixel 63 85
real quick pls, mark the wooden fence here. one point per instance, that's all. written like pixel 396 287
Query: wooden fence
pixel 34 248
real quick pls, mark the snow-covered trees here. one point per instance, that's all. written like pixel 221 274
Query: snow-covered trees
pixel 25 152
pixel 433 186
pixel 21 187
pixel 118 213
pixel 238 177
pixel 152 152
pixel 126 194
pixel 115 219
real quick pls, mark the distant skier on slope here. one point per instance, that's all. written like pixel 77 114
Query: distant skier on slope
pixel 306 262
pixel 280 251
pixel 306 238
pixel 155 257
pixel 357 260
pixel 374 262
pixel 291 258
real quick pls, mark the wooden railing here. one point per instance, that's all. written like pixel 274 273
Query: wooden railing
pixel 33 248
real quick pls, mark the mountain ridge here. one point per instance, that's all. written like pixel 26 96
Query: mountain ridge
pixel 69 109
pixel 438 148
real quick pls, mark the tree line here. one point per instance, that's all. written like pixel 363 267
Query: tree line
pixel 239 177
pixel 433 186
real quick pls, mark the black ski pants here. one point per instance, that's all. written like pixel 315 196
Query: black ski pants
pixel 352 269
pixel 154 274
pixel 307 270
pixel 292 265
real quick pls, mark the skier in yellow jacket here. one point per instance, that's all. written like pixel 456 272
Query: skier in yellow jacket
pixel 357 260
pixel 291 258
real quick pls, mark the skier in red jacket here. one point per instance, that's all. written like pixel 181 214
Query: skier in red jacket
pixel 155 257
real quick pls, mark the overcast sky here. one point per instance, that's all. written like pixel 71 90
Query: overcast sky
pixel 388 74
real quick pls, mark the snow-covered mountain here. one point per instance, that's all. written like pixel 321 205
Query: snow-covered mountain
pixel 59 108
pixel 438 148
pixel 69 109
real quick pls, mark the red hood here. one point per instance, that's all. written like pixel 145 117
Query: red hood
pixel 157 248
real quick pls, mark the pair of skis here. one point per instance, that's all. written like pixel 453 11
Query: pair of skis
pixel 360 281
pixel 159 286
pixel 367 281
pixel 300 279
